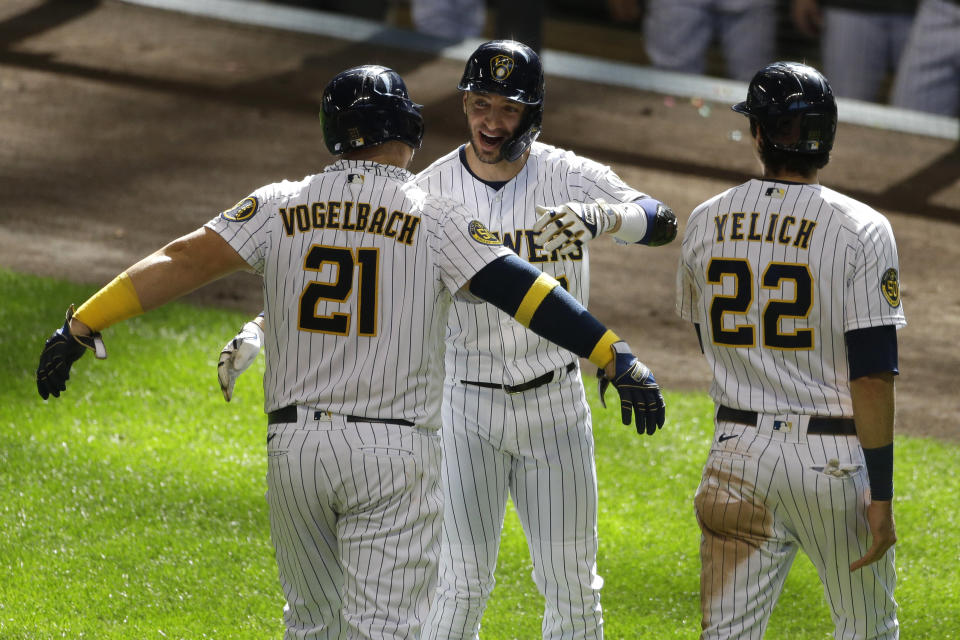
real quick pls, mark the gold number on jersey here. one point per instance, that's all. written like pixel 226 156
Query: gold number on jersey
pixel 340 290
pixel 742 335
pixel 774 277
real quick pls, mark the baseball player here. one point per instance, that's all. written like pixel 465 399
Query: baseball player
pixel 359 268
pixel 515 418
pixel 794 292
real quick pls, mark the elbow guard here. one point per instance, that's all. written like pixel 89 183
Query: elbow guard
pixel 661 223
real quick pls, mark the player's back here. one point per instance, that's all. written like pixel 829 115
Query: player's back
pixel 358 268
pixel 775 274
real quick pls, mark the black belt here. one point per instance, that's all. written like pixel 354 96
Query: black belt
pixel 523 386
pixel 818 425
pixel 289 414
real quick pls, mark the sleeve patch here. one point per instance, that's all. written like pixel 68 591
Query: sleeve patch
pixel 481 234
pixel 242 211
pixel 890 286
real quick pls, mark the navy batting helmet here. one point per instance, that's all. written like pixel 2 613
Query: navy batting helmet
pixel 794 106
pixel 366 106
pixel 513 70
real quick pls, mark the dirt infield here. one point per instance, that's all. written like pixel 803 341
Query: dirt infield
pixel 124 127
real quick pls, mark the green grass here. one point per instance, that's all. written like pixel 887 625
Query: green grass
pixel 132 506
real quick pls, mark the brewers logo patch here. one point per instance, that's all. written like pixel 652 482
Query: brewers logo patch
pixel 242 211
pixel 481 234
pixel 890 286
pixel 501 67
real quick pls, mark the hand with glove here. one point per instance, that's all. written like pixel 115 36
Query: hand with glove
pixel 238 355
pixel 639 392
pixel 567 227
pixel 61 350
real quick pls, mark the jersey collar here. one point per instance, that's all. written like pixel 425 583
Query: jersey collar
pixel 496 185
pixel 387 170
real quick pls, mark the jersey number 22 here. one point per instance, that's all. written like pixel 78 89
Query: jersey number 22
pixel 776 273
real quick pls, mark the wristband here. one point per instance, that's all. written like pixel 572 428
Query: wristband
pixel 114 303
pixel 880 471
pixel 634 221
pixel 602 352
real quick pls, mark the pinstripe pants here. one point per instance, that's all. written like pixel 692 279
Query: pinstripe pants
pixel 355 521
pixel 763 496
pixel 536 446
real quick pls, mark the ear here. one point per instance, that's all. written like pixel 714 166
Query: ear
pixel 465 94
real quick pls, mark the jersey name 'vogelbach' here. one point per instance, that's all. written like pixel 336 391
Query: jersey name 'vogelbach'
pixel 347 215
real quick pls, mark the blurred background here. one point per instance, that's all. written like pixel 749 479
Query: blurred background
pixel 905 53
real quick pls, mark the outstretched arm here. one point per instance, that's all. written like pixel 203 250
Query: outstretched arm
pixel 180 267
pixel 568 226
pixel 538 302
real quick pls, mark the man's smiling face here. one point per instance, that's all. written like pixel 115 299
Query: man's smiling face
pixel 492 120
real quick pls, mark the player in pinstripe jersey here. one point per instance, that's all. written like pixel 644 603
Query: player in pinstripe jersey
pixel 515 419
pixel 794 291
pixel 359 267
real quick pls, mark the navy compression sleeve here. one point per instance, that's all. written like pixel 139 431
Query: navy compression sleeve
pixel 537 301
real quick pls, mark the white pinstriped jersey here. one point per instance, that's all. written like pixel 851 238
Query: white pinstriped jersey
pixel 358 266
pixel 483 343
pixel 775 273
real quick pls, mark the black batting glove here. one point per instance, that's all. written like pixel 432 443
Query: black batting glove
pixel 61 350
pixel 639 392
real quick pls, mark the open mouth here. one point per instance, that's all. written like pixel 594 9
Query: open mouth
pixel 490 141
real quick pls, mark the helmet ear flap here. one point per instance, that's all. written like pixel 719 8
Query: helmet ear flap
pixel 527 133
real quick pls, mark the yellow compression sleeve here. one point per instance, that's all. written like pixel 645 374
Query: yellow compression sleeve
pixel 603 352
pixel 539 290
pixel 114 303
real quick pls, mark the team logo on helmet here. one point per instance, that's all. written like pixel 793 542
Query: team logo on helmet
pixel 481 234
pixel 890 286
pixel 501 67
pixel 242 211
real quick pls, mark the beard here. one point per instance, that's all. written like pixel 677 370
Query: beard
pixel 483 155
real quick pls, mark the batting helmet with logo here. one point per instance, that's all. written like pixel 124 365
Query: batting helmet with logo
pixel 366 106
pixel 794 106
pixel 513 70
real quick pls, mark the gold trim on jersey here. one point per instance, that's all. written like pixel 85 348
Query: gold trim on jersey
pixel 539 290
